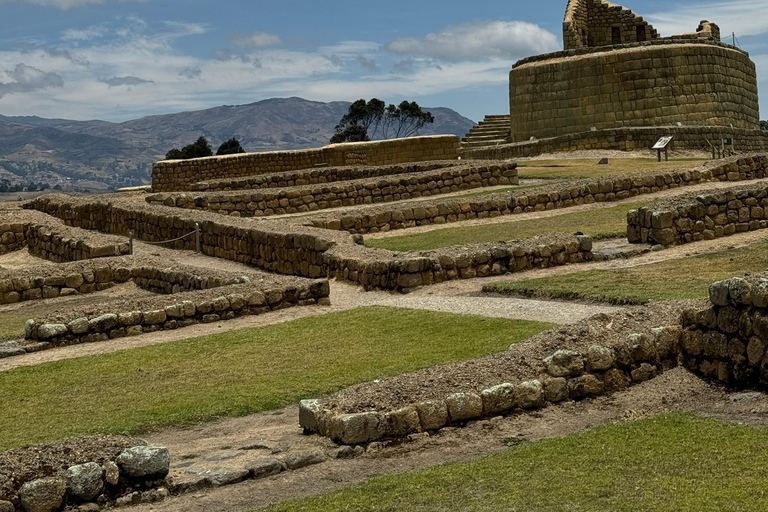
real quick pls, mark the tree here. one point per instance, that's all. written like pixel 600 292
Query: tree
pixel 764 125
pixel 405 120
pixel 231 147
pixel 198 149
pixel 365 119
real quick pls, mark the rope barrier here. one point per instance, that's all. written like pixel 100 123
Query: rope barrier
pixel 174 240
pixel 196 232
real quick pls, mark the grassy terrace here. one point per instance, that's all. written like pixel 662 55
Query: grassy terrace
pixel 684 278
pixel 599 223
pixel 671 462
pixel 589 168
pixel 238 372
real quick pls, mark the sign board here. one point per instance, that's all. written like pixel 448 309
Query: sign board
pixel 727 142
pixel 663 142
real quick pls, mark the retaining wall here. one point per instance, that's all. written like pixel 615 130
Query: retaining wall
pixel 377 268
pixel 654 83
pixel 727 341
pixel 172 175
pixel 383 189
pixel 119 319
pixel 317 176
pixel 615 188
pixel 708 215
pixel 568 375
pixel 56 242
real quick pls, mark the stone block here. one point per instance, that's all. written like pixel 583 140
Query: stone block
pixel 356 428
pixel 464 406
pixel 433 414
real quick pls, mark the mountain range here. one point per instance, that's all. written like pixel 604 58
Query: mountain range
pixel 102 154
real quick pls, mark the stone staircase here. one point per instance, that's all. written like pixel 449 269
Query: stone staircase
pixel 491 131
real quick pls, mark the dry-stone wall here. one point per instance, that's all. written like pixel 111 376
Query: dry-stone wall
pixel 656 83
pixel 590 23
pixel 381 218
pixel 113 477
pixel 377 268
pixel 383 189
pixel 51 240
pixel 627 139
pixel 727 341
pixel 317 176
pixel 176 175
pixel 120 318
pixel 708 215
pixel 568 375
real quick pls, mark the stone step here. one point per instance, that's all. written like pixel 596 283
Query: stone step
pixel 480 144
pixel 492 136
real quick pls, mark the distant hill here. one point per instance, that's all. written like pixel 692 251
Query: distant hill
pixel 121 154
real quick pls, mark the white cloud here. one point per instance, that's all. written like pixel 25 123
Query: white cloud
pixel 118 81
pixel 26 78
pixel 745 17
pixel 256 41
pixel 477 41
pixel 85 34
pixel 67 4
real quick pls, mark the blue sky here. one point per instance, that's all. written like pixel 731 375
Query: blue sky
pixel 123 59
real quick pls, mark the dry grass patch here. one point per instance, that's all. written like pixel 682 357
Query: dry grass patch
pixel 683 278
pixel 599 223
pixel 589 168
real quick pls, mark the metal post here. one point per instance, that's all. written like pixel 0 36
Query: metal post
pixel 197 236
pixel 130 242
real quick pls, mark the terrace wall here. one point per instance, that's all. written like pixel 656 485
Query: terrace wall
pixel 348 193
pixel 447 210
pixel 180 175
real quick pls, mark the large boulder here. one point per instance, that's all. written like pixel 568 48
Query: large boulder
pixel 43 495
pixel 145 462
pixel 84 481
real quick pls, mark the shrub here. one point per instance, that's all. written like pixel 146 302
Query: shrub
pixel 231 147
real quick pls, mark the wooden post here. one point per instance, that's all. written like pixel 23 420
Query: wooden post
pixel 130 242
pixel 659 152
pixel 197 236
pixel 666 153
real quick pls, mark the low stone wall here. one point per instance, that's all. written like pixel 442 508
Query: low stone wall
pixel 120 318
pixel 317 176
pixel 568 375
pixel 93 276
pixel 266 245
pixel 626 139
pixel 173 175
pixel 56 242
pixel 383 189
pixel 381 269
pixel 116 477
pixel 709 215
pixel 448 210
pixel 727 341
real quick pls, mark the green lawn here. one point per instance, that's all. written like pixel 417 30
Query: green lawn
pixel 239 372
pixel 12 325
pixel 599 223
pixel 684 278
pixel 589 168
pixel 668 463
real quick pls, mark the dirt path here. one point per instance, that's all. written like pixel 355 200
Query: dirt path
pixel 523 217
pixel 219 446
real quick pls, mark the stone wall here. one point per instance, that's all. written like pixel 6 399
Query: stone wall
pixel 656 83
pixel 568 375
pixel 708 215
pixel 590 23
pixel 383 189
pixel 381 269
pixel 727 341
pixel 179 175
pixel 317 176
pixel 121 318
pixel 65 478
pixel 448 210
pixel 56 242
pixel 627 139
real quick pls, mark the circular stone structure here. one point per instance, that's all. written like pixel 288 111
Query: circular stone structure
pixel 691 79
